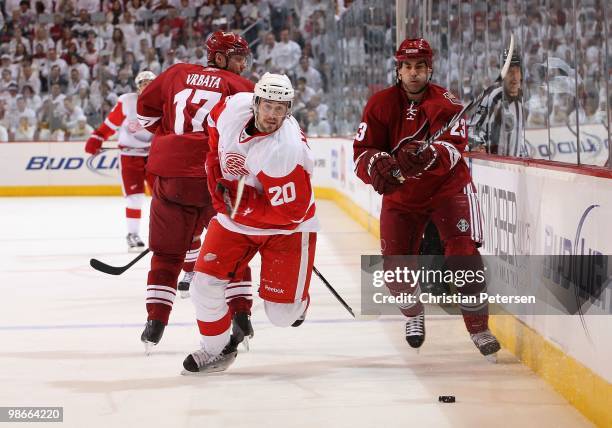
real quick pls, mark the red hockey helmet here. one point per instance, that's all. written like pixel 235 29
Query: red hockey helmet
pixel 226 43
pixel 414 48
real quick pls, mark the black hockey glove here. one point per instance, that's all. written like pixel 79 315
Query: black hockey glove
pixel 384 172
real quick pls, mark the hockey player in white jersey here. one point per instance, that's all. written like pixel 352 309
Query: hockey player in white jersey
pixel 254 136
pixel 134 143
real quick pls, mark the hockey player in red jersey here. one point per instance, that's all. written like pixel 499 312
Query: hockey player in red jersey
pixel 437 185
pixel 134 143
pixel 258 139
pixel 174 108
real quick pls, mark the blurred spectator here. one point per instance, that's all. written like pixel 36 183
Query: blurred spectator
pixel 49 120
pixel 170 59
pixel 139 35
pixel 278 14
pixel 32 99
pixel 71 113
pixel 24 130
pixel 18 39
pixel 105 69
pixel 4 117
pixel 163 41
pixel 10 97
pixel 124 83
pixel 312 75
pixel 54 60
pixel 67 39
pixel 286 53
pixel 90 56
pixel 80 131
pixel 304 92
pixel 55 98
pixel 21 111
pixel 317 127
pixel 55 78
pixel 4 135
pixel 199 57
pixel 76 82
pixel 83 26
pixel 264 50
pixel 151 63
pixel 6 63
pixel 5 80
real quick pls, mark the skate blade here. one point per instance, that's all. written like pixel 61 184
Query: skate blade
pixel 492 358
pixel 184 294
pixel 149 347
pixel 135 249
pixel 219 366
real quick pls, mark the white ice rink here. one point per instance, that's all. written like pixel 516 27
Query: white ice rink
pixel 70 336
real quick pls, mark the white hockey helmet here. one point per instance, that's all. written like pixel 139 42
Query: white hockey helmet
pixel 144 75
pixel 274 87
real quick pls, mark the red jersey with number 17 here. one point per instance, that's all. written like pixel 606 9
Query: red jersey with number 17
pixel 174 107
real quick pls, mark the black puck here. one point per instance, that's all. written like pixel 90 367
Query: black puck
pixel 446 398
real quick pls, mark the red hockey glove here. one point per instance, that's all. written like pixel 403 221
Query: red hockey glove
pixel 384 172
pixel 412 163
pixel 213 173
pixel 93 144
pixel 250 201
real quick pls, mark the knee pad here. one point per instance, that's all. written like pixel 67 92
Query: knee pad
pixel 208 295
pixel 284 314
pixel 135 201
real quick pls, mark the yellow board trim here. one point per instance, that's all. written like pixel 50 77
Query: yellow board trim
pixel 585 390
pixel 60 191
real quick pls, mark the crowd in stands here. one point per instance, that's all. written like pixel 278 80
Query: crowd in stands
pixel 63 64
pixel 552 47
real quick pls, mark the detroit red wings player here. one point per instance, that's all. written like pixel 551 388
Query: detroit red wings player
pixel 257 138
pixel 174 108
pixel 134 143
pixel 438 186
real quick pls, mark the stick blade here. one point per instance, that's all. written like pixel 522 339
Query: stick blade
pixel 103 267
pixel 506 66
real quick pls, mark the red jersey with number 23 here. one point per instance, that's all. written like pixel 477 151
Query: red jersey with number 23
pixel 174 107
pixel 390 118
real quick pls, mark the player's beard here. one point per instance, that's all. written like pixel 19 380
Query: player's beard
pixel 414 88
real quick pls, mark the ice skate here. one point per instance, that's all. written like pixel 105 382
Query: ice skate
pixel 415 330
pixel 183 285
pixel 202 362
pixel 134 243
pixel 242 329
pixel 152 334
pixel 487 344
pixel 298 322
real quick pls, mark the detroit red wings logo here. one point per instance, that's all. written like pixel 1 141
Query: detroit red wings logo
pixel 233 163
pixel 134 126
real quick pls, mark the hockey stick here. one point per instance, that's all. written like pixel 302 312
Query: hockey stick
pixel 115 270
pixel 453 120
pixel 239 191
pixel 333 291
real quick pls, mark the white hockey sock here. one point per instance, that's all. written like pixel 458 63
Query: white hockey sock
pixel 133 212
